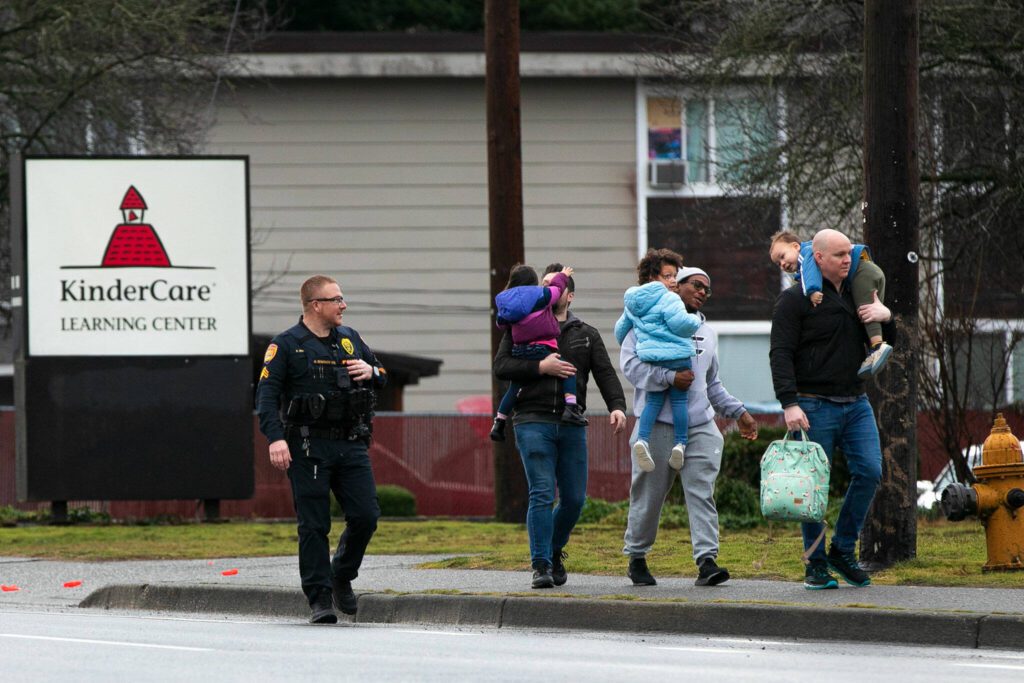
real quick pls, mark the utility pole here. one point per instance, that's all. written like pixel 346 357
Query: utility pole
pixel 505 203
pixel 891 181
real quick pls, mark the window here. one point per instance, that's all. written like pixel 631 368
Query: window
pixel 711 135
pixel 744 369
pixel 990 366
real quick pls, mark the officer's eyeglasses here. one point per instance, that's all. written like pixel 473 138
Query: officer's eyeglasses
pixel 700 287
pixel 333 300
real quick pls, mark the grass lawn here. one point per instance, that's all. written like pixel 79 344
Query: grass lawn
pixel 948 554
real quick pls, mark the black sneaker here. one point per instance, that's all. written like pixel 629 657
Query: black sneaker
pixel 847 567
pixel 558 573
pixel 498 430
pixel 542 574
pixel 639 573
pixel 321 610
pixel 711 574
pixel 345 600
pixel 573 414
pixel 816 577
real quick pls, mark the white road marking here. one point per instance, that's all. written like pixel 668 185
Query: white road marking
pixel 751 641
pixel 979 665
pixel 435 633
pixel 106 642
pixel 709 650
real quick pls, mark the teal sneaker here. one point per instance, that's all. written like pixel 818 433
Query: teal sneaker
pixel 817 577
pixel 846 565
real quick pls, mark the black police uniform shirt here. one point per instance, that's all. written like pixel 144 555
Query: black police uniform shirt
pixel 291 366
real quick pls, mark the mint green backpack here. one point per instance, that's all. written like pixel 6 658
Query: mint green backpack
pixel 794 480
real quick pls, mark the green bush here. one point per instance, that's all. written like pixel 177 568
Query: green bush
pixel 87 516
pixel 396 501
pixel 596 511
pixel 10 516
pixel 741 459
pixel 674 517
pixel 736 497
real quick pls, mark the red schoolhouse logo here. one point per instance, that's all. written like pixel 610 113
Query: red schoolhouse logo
pixel 135 243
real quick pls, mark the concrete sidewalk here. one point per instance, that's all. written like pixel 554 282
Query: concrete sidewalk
pixel 393 590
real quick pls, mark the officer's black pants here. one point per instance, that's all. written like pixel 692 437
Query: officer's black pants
pixel 344 468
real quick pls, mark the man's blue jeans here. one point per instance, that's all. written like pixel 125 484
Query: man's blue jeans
pixel 851 426
pixel 552 453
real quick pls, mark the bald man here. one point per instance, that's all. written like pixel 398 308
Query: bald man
pixel 816 352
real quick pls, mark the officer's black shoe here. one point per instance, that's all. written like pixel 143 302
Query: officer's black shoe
pixel 639 573
pixel 558 573
pixel 498 430
pixel 710 573
pixel 321 610
pixel 345 600
pixel 542 574
pixel 573 414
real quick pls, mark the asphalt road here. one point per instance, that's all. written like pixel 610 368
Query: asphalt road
pixel 81 646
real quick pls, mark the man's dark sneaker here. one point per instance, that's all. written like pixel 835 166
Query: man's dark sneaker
pixel 498 430
pixel 639 573
pixel 573 414
pixel 321 610
pixel 846 565
pixel 558 573
pixel 817 577
pixel 542 574
pixel 345 601
pixel 710 573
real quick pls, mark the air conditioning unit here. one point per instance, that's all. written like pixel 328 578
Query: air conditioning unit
pixel 666 173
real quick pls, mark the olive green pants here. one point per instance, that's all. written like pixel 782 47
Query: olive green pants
pixel 866 280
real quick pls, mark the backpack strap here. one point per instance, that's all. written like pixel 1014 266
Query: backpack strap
pixel 806 557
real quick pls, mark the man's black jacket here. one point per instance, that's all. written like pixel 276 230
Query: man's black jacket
pixel 817 349
pixel 541 397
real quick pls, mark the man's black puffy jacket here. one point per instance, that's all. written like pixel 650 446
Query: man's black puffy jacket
pixel 541 398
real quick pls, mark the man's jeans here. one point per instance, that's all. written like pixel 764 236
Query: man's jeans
pixel 552 452
pixel 851 427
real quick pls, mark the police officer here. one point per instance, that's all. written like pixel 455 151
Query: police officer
pixel 315 402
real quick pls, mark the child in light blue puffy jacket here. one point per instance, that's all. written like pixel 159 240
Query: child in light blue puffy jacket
pixel 663 331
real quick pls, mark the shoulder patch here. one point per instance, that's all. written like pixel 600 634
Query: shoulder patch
pixel 346 344
pixel 269 355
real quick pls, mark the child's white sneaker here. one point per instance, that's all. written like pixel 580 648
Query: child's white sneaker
pixel 875 360
pixel 675 461
pixel 642 456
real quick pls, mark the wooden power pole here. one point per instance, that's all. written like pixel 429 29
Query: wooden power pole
pixel 891 180
pixel 505 202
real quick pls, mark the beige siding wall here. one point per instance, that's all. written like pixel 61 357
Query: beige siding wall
pixel 383 184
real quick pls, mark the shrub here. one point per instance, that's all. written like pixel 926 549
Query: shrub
pixel 596 511
pixel 736 497
pixel 396 501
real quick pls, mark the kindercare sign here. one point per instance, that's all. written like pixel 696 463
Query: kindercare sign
pixel 136 257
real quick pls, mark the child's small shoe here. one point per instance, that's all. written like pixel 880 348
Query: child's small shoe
pixel 675 460
pixel 875 361
pixel 573 414
pixel 498 430
pixel 642 456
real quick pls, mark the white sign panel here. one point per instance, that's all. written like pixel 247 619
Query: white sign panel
pixel 136 257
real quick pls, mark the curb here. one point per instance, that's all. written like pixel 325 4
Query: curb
pixel 957 629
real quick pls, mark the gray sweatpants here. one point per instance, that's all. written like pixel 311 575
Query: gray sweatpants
pixel 647 490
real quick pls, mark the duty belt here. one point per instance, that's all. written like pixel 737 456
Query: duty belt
pixel 334 433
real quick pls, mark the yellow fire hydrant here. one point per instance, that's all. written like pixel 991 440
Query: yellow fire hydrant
pixel 996 499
